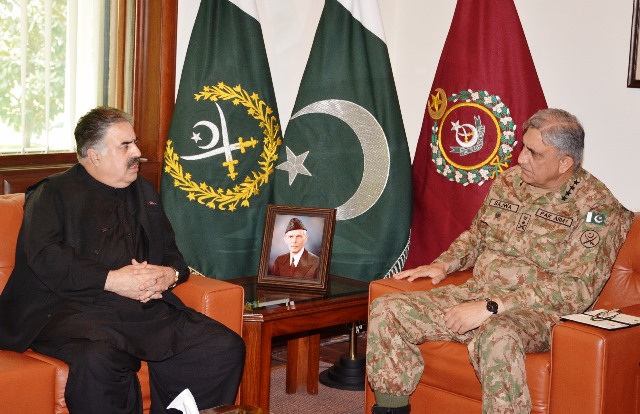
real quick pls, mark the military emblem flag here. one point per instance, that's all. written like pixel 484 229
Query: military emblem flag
pixel 484 88
pixel 223 142
pixel 345 146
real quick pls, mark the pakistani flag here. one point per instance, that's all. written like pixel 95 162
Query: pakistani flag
pixel 345 146
pixel 223 142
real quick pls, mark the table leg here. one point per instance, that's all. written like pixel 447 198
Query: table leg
pixel 256 378
pixel 303 363
pixel 313 371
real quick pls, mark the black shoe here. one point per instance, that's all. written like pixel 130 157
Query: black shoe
pixel 386 410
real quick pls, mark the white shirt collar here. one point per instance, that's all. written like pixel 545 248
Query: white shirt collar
pixel 296 257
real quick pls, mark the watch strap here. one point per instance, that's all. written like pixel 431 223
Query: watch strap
pixel 177 277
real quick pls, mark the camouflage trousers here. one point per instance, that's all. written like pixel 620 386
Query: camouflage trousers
pixel 399 322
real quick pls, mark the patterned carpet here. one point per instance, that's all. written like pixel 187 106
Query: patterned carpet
pixel 329 400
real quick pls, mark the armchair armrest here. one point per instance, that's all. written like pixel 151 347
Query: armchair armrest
pixel 26 384
pixel 382 286
pixel 220 300
pixel 594 370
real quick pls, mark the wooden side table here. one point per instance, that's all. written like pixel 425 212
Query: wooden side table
pixel 346 301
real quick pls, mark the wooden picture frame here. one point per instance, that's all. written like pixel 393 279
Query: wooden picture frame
pixel 313 227
pixel 633 78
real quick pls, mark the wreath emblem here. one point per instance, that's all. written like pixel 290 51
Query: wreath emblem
pixel 229 198
pixel 501 155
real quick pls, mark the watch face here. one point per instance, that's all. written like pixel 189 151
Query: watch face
pixel 492 306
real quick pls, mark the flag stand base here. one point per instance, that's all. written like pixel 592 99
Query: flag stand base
pixel 349 372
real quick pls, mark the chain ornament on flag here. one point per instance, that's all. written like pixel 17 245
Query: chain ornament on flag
pixel 227 199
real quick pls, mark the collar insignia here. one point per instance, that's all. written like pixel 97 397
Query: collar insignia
pixel 572 187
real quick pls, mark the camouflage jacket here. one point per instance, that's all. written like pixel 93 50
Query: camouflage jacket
pixel 550 251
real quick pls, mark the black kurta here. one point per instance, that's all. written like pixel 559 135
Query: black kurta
pixel 75 230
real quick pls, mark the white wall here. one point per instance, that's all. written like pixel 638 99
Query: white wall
pixel 581 52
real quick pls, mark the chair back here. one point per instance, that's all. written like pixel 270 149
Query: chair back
pixel 623 287
pixel 10 221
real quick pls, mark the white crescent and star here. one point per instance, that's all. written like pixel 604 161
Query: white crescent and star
pixel 375 151
pixel 226 147
pixel 294 165
pixel 215 134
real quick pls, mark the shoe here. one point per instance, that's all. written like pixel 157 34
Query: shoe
pixel 386 410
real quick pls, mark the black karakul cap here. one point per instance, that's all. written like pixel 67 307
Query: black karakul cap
pixel 294 224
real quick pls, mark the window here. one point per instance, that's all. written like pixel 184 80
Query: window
pixel 58 59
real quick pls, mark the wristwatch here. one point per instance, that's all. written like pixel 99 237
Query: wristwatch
pixel 492 306
pixel 175 281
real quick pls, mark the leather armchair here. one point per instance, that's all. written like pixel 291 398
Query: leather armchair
pixel 588 370
pixel 34 383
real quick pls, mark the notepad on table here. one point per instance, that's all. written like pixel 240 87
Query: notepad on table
pixel 605 319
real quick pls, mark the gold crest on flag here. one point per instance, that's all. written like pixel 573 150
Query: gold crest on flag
pixel 473 135
pixel 228 198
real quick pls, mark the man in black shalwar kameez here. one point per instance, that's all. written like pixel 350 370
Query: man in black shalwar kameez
pixel 96 261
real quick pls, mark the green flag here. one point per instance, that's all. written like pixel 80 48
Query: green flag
pixel 223 142
pixel 345 146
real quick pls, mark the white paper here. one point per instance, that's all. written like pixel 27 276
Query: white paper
pixel 274 302
pixel 620 320
pixel 185 402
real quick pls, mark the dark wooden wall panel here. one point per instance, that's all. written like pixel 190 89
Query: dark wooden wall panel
pixel 17 180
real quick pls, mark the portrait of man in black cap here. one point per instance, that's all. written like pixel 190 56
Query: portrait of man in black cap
pixel 298 262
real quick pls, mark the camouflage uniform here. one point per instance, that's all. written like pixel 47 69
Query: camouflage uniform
pixel 547 253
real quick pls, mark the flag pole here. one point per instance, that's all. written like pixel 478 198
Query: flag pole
pixel 349 372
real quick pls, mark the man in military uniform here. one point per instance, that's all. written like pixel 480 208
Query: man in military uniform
pixel 542 246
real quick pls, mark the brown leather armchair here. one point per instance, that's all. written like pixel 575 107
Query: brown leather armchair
pixel 588 370
pixel 34 383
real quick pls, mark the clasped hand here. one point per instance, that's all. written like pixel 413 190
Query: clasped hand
pixel 140 281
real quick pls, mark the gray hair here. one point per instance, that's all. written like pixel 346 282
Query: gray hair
pixel 92 126
pixel 560 129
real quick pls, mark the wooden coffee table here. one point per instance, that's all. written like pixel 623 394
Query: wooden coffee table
pixel 346 301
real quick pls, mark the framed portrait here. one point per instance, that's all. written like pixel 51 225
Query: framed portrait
pixel 633 79
pixel 296 248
